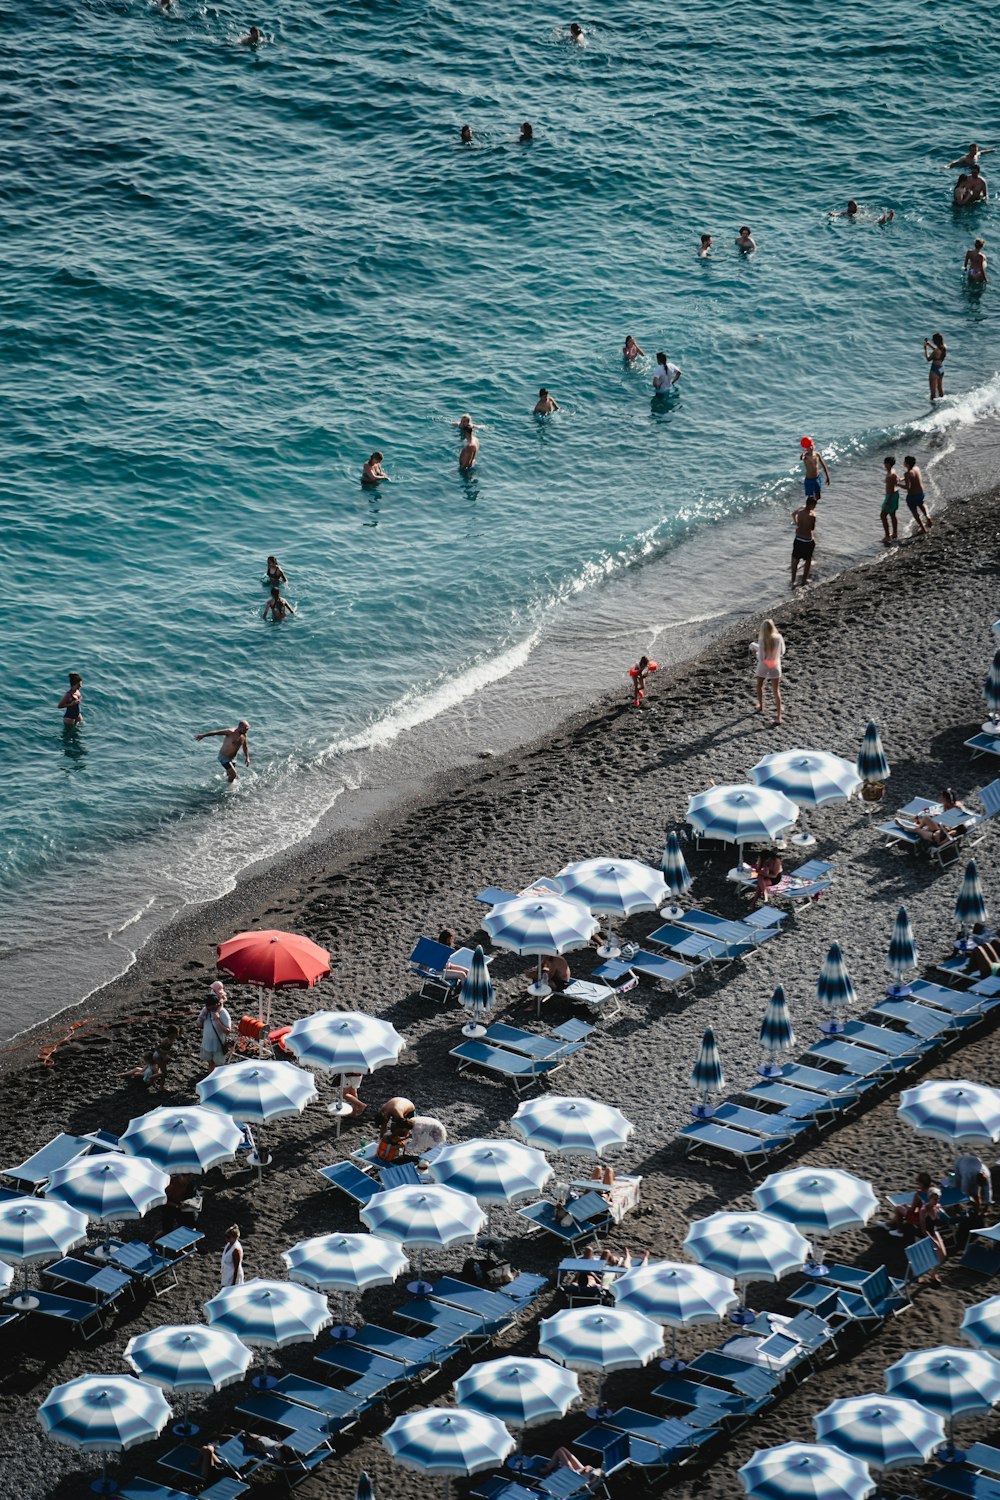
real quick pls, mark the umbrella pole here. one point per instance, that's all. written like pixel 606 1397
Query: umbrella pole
pixel 25 1303
pixel 420 1287
pixel 340 1107
pixel 517 1460
pixel 816 1267
pixel 951 1454
pixel 741 1316
pixel 673 1365
pixel 610 949
pixel 343 1329
pixel 539 989
pixel 104 1485
pixel 601 1410
pixel 264 1382
pixel 185 1428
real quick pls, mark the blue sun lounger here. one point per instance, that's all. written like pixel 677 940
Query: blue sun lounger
pixel 752 1150
pixel 736 935
pixel 490 1306
pixel 33 1174
pixel 106 1284
pixel 150 1489
pixel 412 1352
pixel 343 1359
pixel 513 1067
pixel 451 1322
pixel 666 971
pixel 862 1062
pixel 588 1215
pixel 156 1272
pixel 343 1405
pixel 957 1002
pixel 923 1020
pixel 561 1041
pixel 351 1181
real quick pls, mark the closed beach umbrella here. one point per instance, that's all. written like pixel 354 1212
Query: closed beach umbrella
pixel 103 1414
pixel 676 875
pixel 110 1187
pixel 746 1247
pixel 970 905
pixel 344 1042
pixel 819 1201
pixel 809 778
pixel 424 1217
pixel 257 1091
pixel 676 1294
pixel 542 925
pixel 517 1391
pixel 344 1263
pixel 707 1076
pixel 602 1339
pixel 991 690
pixel 491 1171
pixel 835 989
pixel 447 1441
pixel 273 960
pixel 776 1033
pixel 571 1126
pixel 873 768
pixel 949 1110
pixel 189 1139
pixel 949 1381
pixel 901 959
pixel 741 814
pixel 365 1489
pixel 476 994
pixel 188 1359
pixel 981 1324
pixel 269 1315
pixel 805 1471
pixel 34 1230
pixel 613 888
pixel 886 1432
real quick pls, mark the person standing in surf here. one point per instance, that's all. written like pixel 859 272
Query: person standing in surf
pixel 804 541
pixel 813 461
pixel 935 353
pixel 915 498
pixel 975 264
pixel 71 702
pixel 890 505
pixel 470 443
pixel 665 376
pixel 233 741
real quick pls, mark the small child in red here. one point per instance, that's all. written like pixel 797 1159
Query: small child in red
pixel 638 674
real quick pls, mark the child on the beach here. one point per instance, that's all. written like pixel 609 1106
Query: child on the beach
pixel 890 505
pixel 638 674
pixel 153 1069
pixel 915 498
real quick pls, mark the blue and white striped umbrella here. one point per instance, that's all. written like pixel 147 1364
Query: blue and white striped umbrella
pixel 33 1230
pixel 103 1413
pixel 676 1294
pixel 343 1042
pixel 747 1247
pixel 970 905
pixel 344 1263
pixel 949 1381
pixel 613 888
pixel 817 1200
pixel 447 1441
pixel 741 814
pixel 424 1217
pixel 258 1091
pixel 871 763
pixel 707 1076
pixel 269 1314
pixel 776 1033
pixel 887 1432
pixel 901 959
pixel 517 1391
pixel 950 1110
pixel 834 988
pixel 991 687
pixel 676 875
pixel 187 1139
pixel 600 1338
pixel 542 925
pixel 981 1324
pixel 187 1359
pixel 808 777
pixel 571 1126
pixel 805 1471
pixel 476 993
pixel 491 1171
pixel 365 1489
pixel 110 1187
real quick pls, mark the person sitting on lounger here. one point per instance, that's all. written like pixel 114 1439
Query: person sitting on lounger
pixel 932 1220
pixel 984 960
pixel 907 1216
pixel 555 969
pixel 768 871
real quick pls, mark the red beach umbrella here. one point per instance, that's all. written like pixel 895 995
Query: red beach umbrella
pixel 274 960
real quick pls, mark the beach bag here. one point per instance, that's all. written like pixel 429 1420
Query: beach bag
pixel 487 1271
pixel 389 1148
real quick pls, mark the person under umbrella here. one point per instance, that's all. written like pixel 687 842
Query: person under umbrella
pixel 542 926
pixel 741 814
pixel 344 1042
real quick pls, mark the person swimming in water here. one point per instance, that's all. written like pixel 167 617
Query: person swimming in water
pixel 935 353
pixel 470 443
pixel 373 472
pixel 233 741
pixel 975 264
pixel 275 572
pixel 631 350
pixel 277 607
pixel 745 241
pixel 705 248
pixel 577 33
pixel 855 211
pixel 466 135
pixel 545 405
pixel 961 194
pixel 527 134
pixel 71 702
pixel 253 38
pixel 971 157
pixel 978 187
pixel 665 376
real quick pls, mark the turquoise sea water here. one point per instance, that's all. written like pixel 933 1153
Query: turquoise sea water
pixel 228 275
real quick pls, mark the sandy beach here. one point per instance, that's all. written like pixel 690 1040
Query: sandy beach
pixel 905 640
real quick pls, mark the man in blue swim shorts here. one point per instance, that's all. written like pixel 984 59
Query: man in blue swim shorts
pixel 233 741
pixel 813 460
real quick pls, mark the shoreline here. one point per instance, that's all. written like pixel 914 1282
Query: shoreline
pixel 908 642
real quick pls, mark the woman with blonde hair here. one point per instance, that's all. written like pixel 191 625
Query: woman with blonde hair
pixel 769 648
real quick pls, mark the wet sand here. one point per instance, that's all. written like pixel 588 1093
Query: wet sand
pixel 906 641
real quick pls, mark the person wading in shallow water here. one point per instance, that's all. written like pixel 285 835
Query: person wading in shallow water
pixel 804 541
pixel 233 741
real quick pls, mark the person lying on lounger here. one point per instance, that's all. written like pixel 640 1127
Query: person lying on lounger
pixel 984 960
pixel 926 828
pixel 563 1458
pixel 256 1443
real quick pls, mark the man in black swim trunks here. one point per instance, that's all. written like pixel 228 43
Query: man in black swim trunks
pixel 804 543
